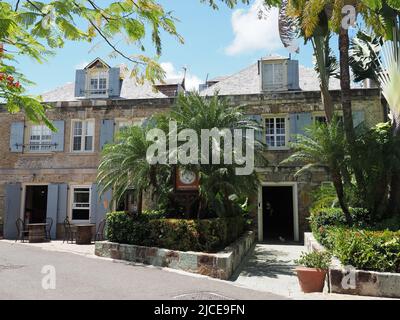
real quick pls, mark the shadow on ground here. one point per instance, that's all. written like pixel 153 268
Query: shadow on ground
pixel 264 261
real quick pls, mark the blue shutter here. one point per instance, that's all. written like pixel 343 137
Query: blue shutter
pixel 97 209
pixel 293 75
pixel 298 123
pixel 12 209
pixel 303 120
pixel 259 134
pixel 57 138
pixel 106 132
pixel 80 81
pixel 52 207
pixel 17 137
pixel 114 82
pixel 62 202
pixel 358 117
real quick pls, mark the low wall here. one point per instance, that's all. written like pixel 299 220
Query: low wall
pixel 357 282
pixel 219 265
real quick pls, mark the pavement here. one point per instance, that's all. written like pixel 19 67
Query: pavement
pixel 267 272
pixel 28 271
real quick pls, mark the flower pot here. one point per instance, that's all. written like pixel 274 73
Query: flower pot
pixel 311 279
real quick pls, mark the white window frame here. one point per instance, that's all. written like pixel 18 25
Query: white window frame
pixel 44 145
pixel 71 202
pixel 84 126
pixel 277 116
pixel 97 74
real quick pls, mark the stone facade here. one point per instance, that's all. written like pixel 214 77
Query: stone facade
pixel 81 168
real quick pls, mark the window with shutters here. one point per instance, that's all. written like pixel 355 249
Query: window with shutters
pixel 39 138
pixel 320 117
pixel 276 132
pixel 82 136
pixel 80 204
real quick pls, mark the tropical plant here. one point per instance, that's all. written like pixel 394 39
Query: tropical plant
pixel 365 56
pixel 324 145
pixel 220 185
pixel 124 167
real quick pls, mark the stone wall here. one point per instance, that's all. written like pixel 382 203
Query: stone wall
pixel 219 265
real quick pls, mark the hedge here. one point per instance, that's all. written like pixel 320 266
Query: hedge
pixel 208 235
pixel 359 247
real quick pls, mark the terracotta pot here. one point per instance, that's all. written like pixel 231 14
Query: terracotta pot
pixel 311 279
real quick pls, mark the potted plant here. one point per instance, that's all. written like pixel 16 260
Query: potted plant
pixel 312 270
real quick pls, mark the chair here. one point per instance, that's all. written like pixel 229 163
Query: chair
pixel 22 233
pixel 49 224
pixel 69 234
pixel 100 231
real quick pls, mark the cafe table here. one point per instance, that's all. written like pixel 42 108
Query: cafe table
pixel 37 232
pixel 84 233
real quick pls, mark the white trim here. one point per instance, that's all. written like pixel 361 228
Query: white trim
pixel 71 147
pixel 23 196
pixel 287 130
pixel 71 199
pixel 295 207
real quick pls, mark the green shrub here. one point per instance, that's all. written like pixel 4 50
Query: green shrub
pixel 365 250
pixel 319 260
pixel 209 235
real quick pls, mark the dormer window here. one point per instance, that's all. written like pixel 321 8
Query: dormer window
pixel 279 74
pixel 98 80
pixel 98 83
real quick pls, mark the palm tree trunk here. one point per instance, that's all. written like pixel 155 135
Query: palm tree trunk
pixel 140 202
pixel 394 201
pixel 346 104
pixel 338 184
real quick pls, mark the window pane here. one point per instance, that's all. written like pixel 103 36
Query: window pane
pixel 78 128
pixel 93 84
pixel 80 214
pixel 88 143
pixel 89 131
pixel 77 143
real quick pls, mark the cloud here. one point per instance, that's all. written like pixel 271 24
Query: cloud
pixel 192 81
pixel 252 33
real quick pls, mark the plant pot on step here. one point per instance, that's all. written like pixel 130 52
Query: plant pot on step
pixel 311 279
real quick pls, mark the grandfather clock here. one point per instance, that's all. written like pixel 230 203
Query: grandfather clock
pixel 186 188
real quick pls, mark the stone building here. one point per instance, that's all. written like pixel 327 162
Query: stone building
pixel 45 174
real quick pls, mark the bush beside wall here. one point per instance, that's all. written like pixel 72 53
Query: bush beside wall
pixel 208 235
pixel 362 248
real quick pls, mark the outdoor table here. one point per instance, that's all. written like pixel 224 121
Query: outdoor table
pixel 84 233
pixel 37 232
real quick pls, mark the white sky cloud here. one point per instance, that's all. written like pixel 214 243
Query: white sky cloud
pixel 252 33
pixel 192 81
pixel 81 65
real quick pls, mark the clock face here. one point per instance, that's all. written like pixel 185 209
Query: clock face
pixel 187 176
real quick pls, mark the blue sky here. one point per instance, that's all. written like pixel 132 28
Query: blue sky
pixel 216 43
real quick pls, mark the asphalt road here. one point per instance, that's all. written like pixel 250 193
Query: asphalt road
pixel 80 277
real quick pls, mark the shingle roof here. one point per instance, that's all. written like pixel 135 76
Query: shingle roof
pixel 129 90
pixel 247 81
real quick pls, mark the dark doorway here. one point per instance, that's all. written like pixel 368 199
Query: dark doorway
pixel 35 204
pixel 278 213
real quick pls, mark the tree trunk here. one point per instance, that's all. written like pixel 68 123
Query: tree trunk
pixel 338 184
pixel 346 105
pixel 327 103
pixel 394 201
pixel 140 202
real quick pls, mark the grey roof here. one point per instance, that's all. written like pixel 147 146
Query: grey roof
pixel 129 90
pixel 247 81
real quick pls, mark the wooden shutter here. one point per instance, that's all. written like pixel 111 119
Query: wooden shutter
pixel 106 132
pixel 80 81
pixel 17 136
pixel 52 207
pixel 57 138
pixel 12 209
pixel 114 82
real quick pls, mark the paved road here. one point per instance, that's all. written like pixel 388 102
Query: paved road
pixel 80 277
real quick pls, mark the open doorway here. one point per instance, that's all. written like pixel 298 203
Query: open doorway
pixel 278 213
pixel 35 204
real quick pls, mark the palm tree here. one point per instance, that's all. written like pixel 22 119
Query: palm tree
pixel 324 146
pixel 219 183
pixel 124 166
